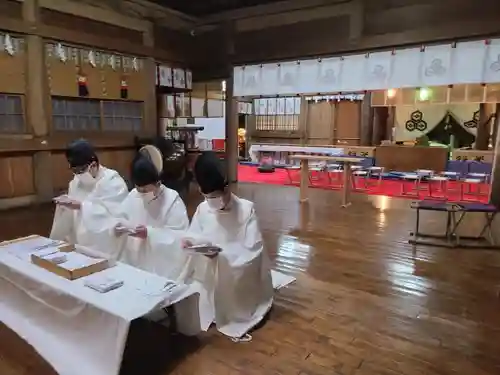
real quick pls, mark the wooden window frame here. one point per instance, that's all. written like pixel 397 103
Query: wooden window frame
pixel 26 128
pixel 101 130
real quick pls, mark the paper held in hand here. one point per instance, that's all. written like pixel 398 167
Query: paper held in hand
pixel 62 199
pixel 204 249
pixel 125 228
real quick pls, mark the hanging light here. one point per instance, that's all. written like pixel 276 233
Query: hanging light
pixel 424 94
pixel 391 93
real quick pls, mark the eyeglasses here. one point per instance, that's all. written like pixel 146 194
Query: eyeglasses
pixel 80 169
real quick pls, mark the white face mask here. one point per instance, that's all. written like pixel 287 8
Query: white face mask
pixel 86 178
pixel 215 204
pixel 148 197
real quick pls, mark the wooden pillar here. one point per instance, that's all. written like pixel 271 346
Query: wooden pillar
pixel 496 125
pixel 483 128
pixel 151 119
pixel 495 183
pixel 250 129
pixel 303 121
pixel 37 99
pixel 380 115
pixel 366 121
pixel 391 122
pixel 231 119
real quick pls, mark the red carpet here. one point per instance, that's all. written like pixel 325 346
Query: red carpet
pixel 390 188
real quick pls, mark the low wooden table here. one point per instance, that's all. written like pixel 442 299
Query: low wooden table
pixel 304 173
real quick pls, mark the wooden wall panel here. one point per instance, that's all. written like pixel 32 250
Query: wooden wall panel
pixel 12 76
pixel 71 22
pixel 62 76
pixel 94 80
pixel 11 8
pixel 410 15
pixel 119 160
pixel 320 118
pixel 409 158
pixel 61 174
pixel 112 82
pixel 178 43
pixel 291 41
pixel 16 176
pixel 347 123
pixel 137 85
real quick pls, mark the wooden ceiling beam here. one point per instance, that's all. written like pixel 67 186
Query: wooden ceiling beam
pixel 268 9
pixel 291 17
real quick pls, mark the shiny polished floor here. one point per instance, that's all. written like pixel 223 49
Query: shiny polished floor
pixel 363 303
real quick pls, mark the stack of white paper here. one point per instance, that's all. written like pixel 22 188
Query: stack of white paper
pixel 76 261
pixel 24 249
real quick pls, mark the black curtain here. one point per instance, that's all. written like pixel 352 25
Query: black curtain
pixel 447 127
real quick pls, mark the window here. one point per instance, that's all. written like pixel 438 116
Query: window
pixel 75 114
pixel 11 114
pixel 121 116
pixel 277 114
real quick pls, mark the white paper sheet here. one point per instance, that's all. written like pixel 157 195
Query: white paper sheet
pixel 76 261
pixel 24 249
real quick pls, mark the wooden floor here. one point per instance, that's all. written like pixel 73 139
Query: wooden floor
pixel 362 303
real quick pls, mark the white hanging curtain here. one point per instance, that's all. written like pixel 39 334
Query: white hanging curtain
pixel 288 74
pixel 436 66
pixel 378 70
pixel 414 121
pixel 251 80
pixel 352 77
pixel 469 62
pixel 467 115
pixel 269 79
pixel 308 76
pixel 238 77
pixel 328 73
pixel 492 63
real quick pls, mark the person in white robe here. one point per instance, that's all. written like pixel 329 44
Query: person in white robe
pixel 94 196
pixel 236 286
pixel 151 223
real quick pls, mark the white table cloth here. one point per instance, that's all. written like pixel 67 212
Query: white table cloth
pixel 256 148
pixel 75 329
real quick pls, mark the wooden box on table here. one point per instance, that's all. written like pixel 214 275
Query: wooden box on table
pixel 58 269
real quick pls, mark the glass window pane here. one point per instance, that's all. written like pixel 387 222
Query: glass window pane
pixel 81 123
pixel 3 104
pixel 10 105
pixel 59 122
pixel 94 123
pixel 107 123
pixel 95 108
pixel 127 124
pixel 16 104
pixel 107 108
pixel 120 124
pixel 136 125
pixel 58 106
pixel 71 123
pixel 4 124
pixel 17 123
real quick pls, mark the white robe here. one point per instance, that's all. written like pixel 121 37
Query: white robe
pixel 166 221
pixel 99 204
pixel 236 286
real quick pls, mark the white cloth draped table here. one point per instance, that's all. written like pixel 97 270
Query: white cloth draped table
pixel 77 330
